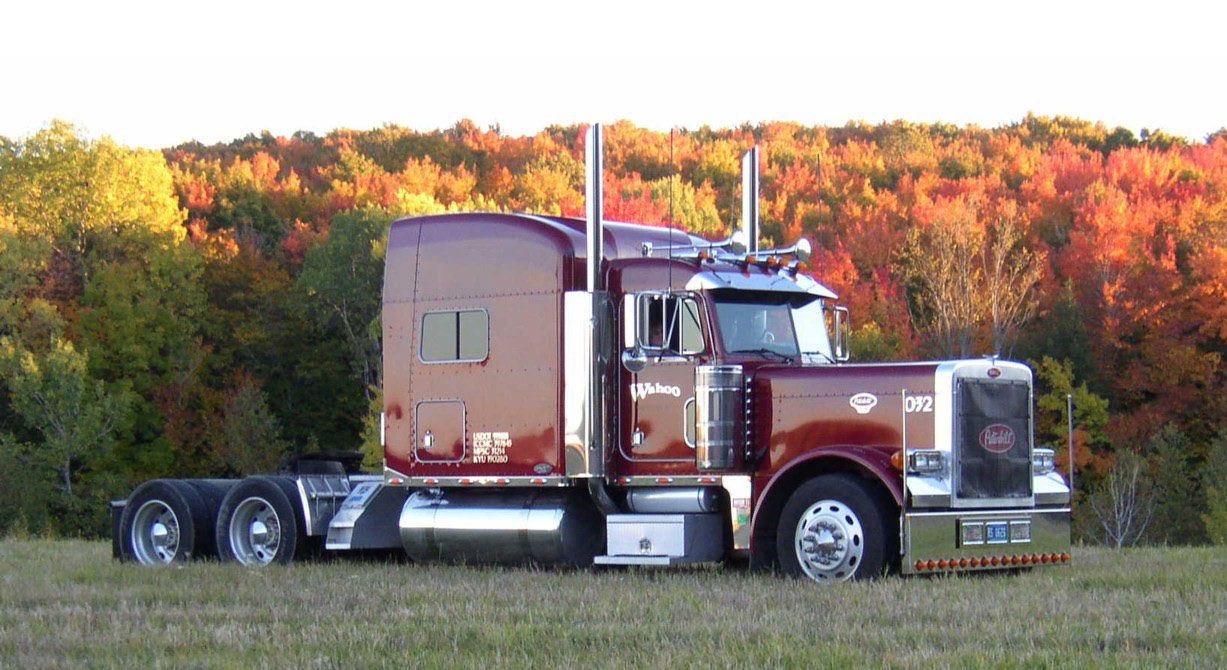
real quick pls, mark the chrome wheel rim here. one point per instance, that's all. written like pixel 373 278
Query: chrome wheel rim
pixel 830 542
pixel 255 532
pixel 155 534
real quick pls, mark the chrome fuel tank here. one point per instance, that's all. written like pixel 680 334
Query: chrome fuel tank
pixel 508 526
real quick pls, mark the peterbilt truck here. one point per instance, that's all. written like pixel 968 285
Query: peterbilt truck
pixel 560 391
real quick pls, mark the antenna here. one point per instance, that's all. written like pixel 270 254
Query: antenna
pixel 672 178
pixel 749 199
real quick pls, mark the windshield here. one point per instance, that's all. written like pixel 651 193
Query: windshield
pixel 756 322
pixel 784 324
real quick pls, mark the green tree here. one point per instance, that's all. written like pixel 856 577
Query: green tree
pixel 342 279
pixel 249 436
pixel 1055 382
pixel 1178 500
pixel 55 395
pixel 1214 482
pixel 89 200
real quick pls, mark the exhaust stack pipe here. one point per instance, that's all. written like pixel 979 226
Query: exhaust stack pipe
pixel 749 199
pixel 594 200
pixel 600 371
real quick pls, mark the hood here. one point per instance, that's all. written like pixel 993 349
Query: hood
pixel 803 408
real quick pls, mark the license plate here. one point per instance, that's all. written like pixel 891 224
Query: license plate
pixel 997 532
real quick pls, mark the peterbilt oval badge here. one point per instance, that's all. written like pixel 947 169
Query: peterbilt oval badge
pixel 994 373
pixel 997 438
pixel 863 402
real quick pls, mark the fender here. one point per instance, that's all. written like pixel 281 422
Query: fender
pixel 876 461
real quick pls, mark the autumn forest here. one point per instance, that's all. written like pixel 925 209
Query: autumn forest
pixel 209 310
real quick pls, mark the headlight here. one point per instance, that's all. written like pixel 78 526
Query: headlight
pixel 1043 461
pixel 926 462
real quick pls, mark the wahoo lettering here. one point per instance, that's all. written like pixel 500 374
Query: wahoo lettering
pixel 641 391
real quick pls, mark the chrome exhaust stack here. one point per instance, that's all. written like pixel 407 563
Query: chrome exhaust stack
pixel 749 200
pixel 601 370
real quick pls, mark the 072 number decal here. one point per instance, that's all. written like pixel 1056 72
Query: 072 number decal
pixel 918 403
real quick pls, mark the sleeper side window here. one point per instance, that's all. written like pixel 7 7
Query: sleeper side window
pixel 455 336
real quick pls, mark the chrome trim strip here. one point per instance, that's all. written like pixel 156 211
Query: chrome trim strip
pixel 993 514
pixel 517 481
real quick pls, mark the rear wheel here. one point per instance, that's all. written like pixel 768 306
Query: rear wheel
pixel 832 529
pixel 260 524
pixel 163 522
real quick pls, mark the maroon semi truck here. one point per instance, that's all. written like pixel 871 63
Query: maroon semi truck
pixel 561 391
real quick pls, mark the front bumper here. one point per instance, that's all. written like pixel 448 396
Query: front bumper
pixel 935 541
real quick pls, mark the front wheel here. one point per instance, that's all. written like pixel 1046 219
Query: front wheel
pixel 833 529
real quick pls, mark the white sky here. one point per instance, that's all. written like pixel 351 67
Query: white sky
pixel 158 73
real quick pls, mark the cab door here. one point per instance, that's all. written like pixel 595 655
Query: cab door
pixel 668 333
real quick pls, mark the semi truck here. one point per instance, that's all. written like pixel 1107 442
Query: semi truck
pixel 576 392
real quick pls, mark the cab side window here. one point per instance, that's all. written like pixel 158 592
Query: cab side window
pixel 670 324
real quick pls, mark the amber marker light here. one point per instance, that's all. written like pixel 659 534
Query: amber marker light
pixel 1066 558
pixel 896 460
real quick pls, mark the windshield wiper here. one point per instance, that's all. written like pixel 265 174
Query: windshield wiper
pixel 763 350
pixel 819 353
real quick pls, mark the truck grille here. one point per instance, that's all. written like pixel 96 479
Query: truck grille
pixel 993 440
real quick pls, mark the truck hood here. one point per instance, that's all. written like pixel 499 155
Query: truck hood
pixel 799 409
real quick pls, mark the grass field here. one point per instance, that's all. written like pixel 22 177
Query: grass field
pixel 65 603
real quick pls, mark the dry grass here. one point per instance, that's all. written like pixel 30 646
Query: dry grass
pixel 67 604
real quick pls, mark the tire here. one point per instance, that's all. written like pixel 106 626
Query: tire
pixel 165 522
pixel 845 535
pixel 212 492
pixel 260 523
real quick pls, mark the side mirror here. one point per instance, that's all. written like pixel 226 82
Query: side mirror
pixel 843 332
pixel 634 359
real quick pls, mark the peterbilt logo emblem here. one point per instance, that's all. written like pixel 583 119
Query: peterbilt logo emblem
pixel 997 438
pixel 641 391
pixel 863 402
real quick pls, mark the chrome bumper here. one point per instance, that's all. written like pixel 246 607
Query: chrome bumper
pixel 934 541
